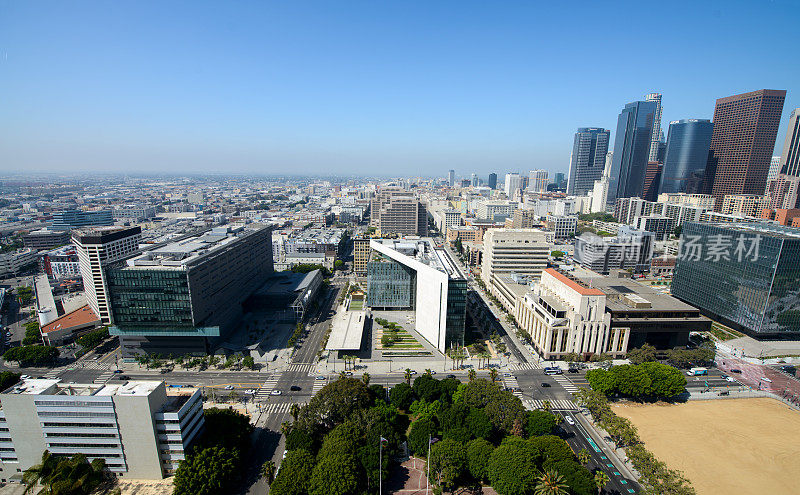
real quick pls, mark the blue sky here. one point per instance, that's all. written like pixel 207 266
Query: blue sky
pixel 351 87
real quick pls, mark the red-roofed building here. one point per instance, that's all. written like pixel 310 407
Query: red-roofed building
pixel 66 328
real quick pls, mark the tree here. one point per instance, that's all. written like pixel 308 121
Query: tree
pixel 557 254
pixel 64 475
pixel 407 376
pixel 427 388
pixel 601 479
pixel 32 355
pixel 227 428
pixel 402 396
pixel 512 467
pixel 644 354
pixel 335 474
pixel 478 453
pixel 584 456
pixel 8 378
pixel 478 424
pixel 208 472
pixel 421 431
pixel 294 475
pixel 93 338
pixel 268 471
pixel 294 410
pixel 493 375
pixel 448 462
pixel 333 404
pixel 365 378
pixel 539 423
pixel 248 362
pixel 472 375
pixel 551 483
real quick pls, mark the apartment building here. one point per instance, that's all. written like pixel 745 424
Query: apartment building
pixel 397 211
pixel 564 226
pixel 746 205
pixel 97 249
pixel 506 252
pixel 495 210
pixel 136 427
pixel 360 256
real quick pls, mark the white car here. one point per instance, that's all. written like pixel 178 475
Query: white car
pixel 569 420
pixel 275 392
pixel 730 378
pixel 24 377
pixel 228 387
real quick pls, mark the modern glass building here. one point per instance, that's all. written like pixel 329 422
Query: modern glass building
pixel 588 159
pixel 416 275
pixel 73 219
pixel 631 151
pixel 744 275
pixel 688 142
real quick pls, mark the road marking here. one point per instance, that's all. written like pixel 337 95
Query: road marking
pixel 267 387
pixel 555 404
pixel 104 378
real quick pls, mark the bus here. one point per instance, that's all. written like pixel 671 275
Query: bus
pixel 553 370
pixel 697 372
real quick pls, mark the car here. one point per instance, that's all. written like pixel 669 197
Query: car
pixel 573 370
pixel 24 377
pixel 433 372
pixel 228 387
pixel 124 377
pixel 275 392
pixel 545 384
pixel 319 377
pixel 730 378
pixel 117 372
pixel 413 372
pixel 250 391
pixel 507 374
pixel 736 370
pixel 295 388
pixel 348 373
pixel 569 420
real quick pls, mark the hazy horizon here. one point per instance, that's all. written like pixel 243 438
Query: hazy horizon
pixel 362 88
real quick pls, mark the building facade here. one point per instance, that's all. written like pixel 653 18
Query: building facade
pixel 658 135
pixel 686 156
pixel 397 211
pixel 589 149
pixel 73 219
pixel 631 150
pixel 45 239
pixel 790 157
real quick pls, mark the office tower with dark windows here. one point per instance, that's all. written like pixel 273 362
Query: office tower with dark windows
pixel 73 219
pixel 745 128
pixel 631 151
pixel 688 142
pixel 559 180
pixel 451 178
pixel 588 159
pixel 474 179
pixel 657 135
pixel 186 296
pixel 790 157
pixel 744 275
pixel 492 182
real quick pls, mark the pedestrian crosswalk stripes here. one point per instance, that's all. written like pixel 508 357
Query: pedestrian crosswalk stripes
pixel 93 365
pixel 511 383
pixel 264 390
pixel 524 366
pixel 318 385
pixel 555 404
pixel 53 373
pixel 566 383
pixel 105 377
pixel 302 367
pixel 280 407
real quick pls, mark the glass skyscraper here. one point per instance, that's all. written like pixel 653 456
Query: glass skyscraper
pixel 685 161
pixel 631 151
pixel 745 275
pixel 588 159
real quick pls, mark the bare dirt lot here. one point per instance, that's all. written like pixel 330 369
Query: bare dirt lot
pixel 741 446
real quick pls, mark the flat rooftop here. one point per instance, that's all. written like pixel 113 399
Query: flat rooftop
pixel 347 331
pixel 425 251
pixel 83 316
pixel 47 386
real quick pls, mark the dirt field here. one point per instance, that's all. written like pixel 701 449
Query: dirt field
pixel 741 446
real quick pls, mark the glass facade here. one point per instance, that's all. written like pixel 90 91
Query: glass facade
pixel 745 275
pixel 631 150
pixel 688 142
pixel 456 312
pixel 589 150
pixel 390 284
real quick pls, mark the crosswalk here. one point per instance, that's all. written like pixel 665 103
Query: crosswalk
pixel 280 407
pixel 318 385
pixel 566 383
pixel 264 390
pixel 94 365
pixel 511 382
pixel 53 373
pixel 555 404
pixel 103 378
pixel 524 366
pixel 302 367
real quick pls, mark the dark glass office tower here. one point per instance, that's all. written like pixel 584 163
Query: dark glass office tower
pixel 492 182
pixel 588 159
pixel 745 275
pixel 631 151
pixel 685 160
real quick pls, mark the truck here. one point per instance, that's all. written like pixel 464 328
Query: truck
pixel 697 372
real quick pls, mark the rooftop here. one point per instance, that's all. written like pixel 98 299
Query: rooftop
pixel 83 316
pixel 48 386
pixel 347 330
pixel 423 250
pixel 573 283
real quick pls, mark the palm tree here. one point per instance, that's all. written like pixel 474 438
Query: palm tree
pixel 342 375
pixel 268 471
pixel 546 405
pixel 42 473
pixel 294 410
pixel 365 378
pixel 286 428
pixel 550 483
pixel 428 372
pixel 584 456
pixel 493 375
pixel 407 375
pixel 471 374
pixel 601 479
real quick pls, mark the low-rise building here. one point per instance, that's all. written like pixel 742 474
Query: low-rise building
pixel 564 226
pixel 67 328
pixel 661 226
pixel 45 239
pixel 467 233
pixel 631 249
pixel 15 262
pixel 136 427
pixel 746 205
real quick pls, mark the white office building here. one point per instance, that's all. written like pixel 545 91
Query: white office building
pixel 136 427
pixel 506 252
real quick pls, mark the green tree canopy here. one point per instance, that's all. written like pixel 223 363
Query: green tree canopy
pixel 479 451
pixel 294 475
pixel 227 428
pixel 448 462
pixel 402 395
pixel 210 471
pixel 539 423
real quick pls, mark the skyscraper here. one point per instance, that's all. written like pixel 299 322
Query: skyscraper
pixel 513 184
pixel 688 142
pixel 474 179
pixel 492 182
pixel 658 135
pixel 451 178
pixel 745 128
pixel 790 158
pixel 652 180
pixel 559 179
pixel 537 180
pixel 631 150
pixel 589 150
pixel 397 211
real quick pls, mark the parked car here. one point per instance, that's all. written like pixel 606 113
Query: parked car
pixel 569 420
pixel 736 370
pixel 451 376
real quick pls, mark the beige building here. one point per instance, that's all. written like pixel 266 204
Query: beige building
pixel 466 233
pixel 360 256
pixel 523 219
pixel 747 205
pixel 521 252
pixel 139 429
pixel 397 211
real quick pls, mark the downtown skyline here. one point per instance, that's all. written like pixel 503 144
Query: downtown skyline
pixel 316 90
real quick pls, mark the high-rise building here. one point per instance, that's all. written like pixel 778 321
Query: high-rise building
pixel 474 179
pixel 513 185
pixel 537 181
pixel 513 251
pixel 397 211
pixel 774 169
pixel 73 219
pixel 658 135
pixel 416 275
pixel 492 182
pixel 745 128
pixel 652 179
pixel 139 428
pixel 559 179
pixel 360 255
pixel 451 178
pixel 744 275
pixel 97 249
pixel 790 157
pixel 588 159
pixel 685 159
pixel 631 150
pixel 187 295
